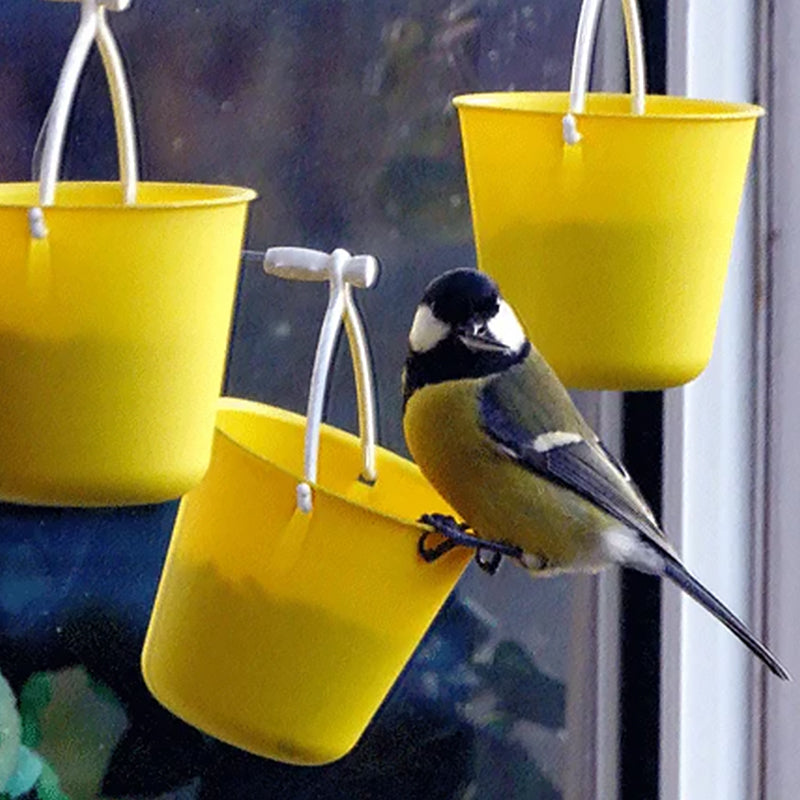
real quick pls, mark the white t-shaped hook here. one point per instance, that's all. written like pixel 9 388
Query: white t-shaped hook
pixel 303 264
pixel 342 271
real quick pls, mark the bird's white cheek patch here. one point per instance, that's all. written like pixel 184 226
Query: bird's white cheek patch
pixel 553 439
pixel 426 330
pixel 506 328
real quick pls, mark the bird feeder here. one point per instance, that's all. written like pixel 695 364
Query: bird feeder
pixel 608 219
pixel 293 592
pixel 115 309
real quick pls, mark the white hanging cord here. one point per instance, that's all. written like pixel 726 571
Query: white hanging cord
pixel 365 392
pixel 122 105
pixel 319 374
pixel 582 58
pixel 343 271
pixel 636 64
pixel 58 115
pixel 92 27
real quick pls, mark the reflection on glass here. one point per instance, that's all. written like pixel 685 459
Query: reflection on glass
pixel 339 115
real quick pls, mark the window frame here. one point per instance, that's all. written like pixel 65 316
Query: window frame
pixel 714 454
pixel 777 705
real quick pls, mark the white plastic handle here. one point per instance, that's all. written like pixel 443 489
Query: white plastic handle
pixel 343 271
pixel 302 264
pixel 582 58
pixel 93 27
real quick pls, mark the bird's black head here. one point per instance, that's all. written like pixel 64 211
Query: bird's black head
pixel 462 329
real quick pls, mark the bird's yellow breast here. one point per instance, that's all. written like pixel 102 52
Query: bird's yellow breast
pixel 498 497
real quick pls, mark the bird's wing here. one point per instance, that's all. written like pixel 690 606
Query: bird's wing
pixel 531 418
pixel 547 435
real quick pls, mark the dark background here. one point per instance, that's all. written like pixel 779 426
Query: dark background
pixel 339 115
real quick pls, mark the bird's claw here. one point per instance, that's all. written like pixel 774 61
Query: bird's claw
pixel 431 554
pixel 458 535
pixel 488 565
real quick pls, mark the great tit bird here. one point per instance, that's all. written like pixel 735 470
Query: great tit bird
pixel 497 434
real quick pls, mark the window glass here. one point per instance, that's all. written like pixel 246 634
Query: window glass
pixel 339 115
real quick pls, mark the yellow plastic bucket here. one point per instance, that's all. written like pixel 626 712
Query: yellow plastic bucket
pixel 281 632
pixel 115 308
pixel 614 247
pixel 113 336
pixel 293 592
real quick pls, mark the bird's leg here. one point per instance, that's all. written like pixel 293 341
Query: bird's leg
pixel 456 535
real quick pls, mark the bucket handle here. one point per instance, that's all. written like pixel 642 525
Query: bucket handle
pixel 582 57
pixel 342 271
pixel 93 27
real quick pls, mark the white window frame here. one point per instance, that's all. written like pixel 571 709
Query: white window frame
pixel 716 449
pixel 777 705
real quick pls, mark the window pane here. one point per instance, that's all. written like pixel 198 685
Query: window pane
pixel 339 115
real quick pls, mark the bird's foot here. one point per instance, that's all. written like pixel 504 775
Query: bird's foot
pixel 458 535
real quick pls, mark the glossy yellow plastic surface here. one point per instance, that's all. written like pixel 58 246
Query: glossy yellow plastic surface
pixel 615 250
pixel 281 632
pixel 113 335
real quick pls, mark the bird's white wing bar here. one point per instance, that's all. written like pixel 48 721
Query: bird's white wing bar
pixel 577 465
pixel 549 441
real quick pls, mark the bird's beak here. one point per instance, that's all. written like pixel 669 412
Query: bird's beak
pixel 479 338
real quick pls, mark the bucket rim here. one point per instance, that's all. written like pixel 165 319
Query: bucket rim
pixel 267 411
pixel 725 111
pixel 226 195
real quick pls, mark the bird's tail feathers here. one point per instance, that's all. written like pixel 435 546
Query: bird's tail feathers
pixel 677 573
